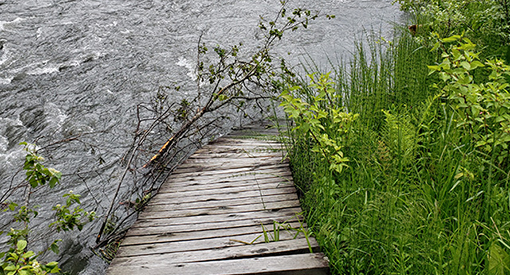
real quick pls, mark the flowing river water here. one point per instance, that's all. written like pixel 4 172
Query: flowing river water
pixel 71 67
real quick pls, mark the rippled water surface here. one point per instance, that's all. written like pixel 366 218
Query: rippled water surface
pixel 80 67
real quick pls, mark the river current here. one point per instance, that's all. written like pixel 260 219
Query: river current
pixel 70 67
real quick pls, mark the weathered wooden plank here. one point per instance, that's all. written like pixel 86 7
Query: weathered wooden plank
pixel 219 168
pixel 230 163
pixel 185 179
pixel 200 244
pixel 161 211
pixel 247 154
pixel 171 198
pixel 256 205
pixel 280 215
pixel 240 148
pixel 300 264
pixel 247 147
pixel 201 170
pixel 170 192
pixel 161 198
pixel 207 203
pixel 218 194
pixel 198 187
pixel 166 237
pixel 237 150
pixel 249 176
pixel 277 182
pixel 148 229
pixel 232 141
pixel 261 173
pixel 243 141
pixel 235 192
pixel 260 249
pixel 219 197
pixel 227 163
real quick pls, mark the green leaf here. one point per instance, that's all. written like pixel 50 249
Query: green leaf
pixel 436 46
pixel 476 64
pixel 499 260
pixel 451 39
pixel 12 206
pixel 505 117
pixel 54 247
pixel 305 127
pixel 22 244
pixel 52 264
pixel 433 69
pixel 465 65
pixel 10 267
pixel 33 182
pixel 53 182
pixel 444 76
pixel 28 254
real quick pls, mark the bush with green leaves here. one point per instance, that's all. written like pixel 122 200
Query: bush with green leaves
pixel 483 108
pixel 327 127
pixel 18 259
pixel 486 22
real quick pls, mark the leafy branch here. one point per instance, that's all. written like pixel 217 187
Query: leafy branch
pixel 483 108
pixel 328 127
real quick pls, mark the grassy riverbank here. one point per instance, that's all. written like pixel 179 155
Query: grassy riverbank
pixel 404 171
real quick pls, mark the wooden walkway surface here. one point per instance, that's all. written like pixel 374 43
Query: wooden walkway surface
pixel 216 212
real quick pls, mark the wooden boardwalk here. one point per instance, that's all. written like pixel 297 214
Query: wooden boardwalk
pixel 216 212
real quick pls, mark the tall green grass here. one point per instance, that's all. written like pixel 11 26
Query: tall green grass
pixel 417 197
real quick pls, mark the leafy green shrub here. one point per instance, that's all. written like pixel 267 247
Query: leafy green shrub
pixel 486 22
pixel 328 127
pixel 19 259
pixel 483 108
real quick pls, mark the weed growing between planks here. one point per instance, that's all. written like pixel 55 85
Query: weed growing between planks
pixel 285 226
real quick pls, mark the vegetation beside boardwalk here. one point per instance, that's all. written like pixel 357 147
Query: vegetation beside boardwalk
pixel 403 159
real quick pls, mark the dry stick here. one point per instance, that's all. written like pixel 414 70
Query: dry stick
pixel 173 140
pixel 90 191
pixel 140 142
pixel 11 189
pixel 121 232
pixel 115 196
pixel 260 193
pixel 199 77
